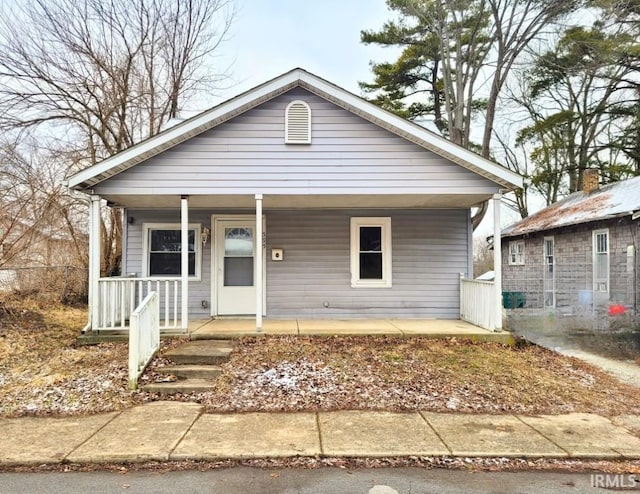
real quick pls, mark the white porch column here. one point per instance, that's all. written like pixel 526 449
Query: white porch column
pixel 95 255
pixel 259 262
pixel 497 259
pixel 184 258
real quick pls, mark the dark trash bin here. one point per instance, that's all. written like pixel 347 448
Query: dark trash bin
pixel 513 300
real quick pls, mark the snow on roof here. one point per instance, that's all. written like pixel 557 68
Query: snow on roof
pixel 610 201
pixel 488 276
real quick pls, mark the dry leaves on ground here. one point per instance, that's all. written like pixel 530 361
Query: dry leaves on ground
pixel 471 464
pixel 390 373
pixel 43 372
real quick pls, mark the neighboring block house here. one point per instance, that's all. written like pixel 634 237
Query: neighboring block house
pixel 578 254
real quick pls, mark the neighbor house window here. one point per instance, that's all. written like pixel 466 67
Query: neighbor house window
pixel 601 261
pixel 549 272
pixel 371 252
pixel 516 253
pixel 163 247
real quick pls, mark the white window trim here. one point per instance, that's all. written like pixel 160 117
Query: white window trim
pixel 286 123
pixel 146 227
pixel 595 234
pixel 546 273
pixel 385 224
pixel 515 243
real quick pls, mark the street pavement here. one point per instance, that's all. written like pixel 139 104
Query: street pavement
pixel 243 480
pixel 165 431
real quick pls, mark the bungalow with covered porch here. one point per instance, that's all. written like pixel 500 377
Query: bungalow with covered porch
pixel 295 199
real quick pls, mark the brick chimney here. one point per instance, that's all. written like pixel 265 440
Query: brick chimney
pixel 590 180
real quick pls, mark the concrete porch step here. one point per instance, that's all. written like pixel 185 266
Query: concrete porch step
pixel 180 386
pixel 190 371
pixel 195 366
pixel 224 335
pixel 201 352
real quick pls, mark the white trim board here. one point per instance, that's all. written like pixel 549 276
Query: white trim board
pixel 384 223
pixel 151 225
pixel 215 219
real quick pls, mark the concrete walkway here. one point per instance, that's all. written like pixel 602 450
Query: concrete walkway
pixel 181 431
pixel 431 328
pixel 626 371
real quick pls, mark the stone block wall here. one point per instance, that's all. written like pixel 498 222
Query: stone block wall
pixel 574 266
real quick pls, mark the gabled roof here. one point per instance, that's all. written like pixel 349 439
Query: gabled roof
pixel 233 107
pixel 610 201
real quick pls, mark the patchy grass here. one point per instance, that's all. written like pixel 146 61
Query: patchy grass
pixel 43 372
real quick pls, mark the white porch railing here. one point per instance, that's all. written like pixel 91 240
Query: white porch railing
pixel 477 303
pixel 117 297
pixel 144 336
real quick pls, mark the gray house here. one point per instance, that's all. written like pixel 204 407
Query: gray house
pixel 297 198
pixel 577 256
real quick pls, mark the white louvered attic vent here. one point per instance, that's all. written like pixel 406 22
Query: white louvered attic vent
pixel 297 123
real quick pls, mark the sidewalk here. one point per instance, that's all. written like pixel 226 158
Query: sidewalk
pixel 165 431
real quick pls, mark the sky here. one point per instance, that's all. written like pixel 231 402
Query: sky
pixel 270 37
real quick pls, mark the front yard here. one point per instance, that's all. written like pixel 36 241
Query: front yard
pixel 392 373
pixel 42 372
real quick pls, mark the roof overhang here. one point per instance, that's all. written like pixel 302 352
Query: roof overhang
pixel 88 178
pixel 311 201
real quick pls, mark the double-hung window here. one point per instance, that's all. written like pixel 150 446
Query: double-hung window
pixel 516 253
pixel 371 252
pixel 163 250
pixel 549 272
pixel 601 261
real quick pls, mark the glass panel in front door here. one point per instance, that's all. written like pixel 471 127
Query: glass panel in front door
pixel 238 256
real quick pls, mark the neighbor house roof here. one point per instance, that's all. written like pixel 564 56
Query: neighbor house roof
pixel 610 201
pixel 89 177
pixel 42 229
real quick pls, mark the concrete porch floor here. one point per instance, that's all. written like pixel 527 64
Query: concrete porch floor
pixel 431 328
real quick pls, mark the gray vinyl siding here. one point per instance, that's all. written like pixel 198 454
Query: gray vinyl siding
pixel 248 155
pixel 429 248
pixel 133 253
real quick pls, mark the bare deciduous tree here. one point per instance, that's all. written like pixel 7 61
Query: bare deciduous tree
pixel 93 77
pixel 18 199
pixel 38 215
pixel 482 257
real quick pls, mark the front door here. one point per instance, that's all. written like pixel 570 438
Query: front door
pixel 235 253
